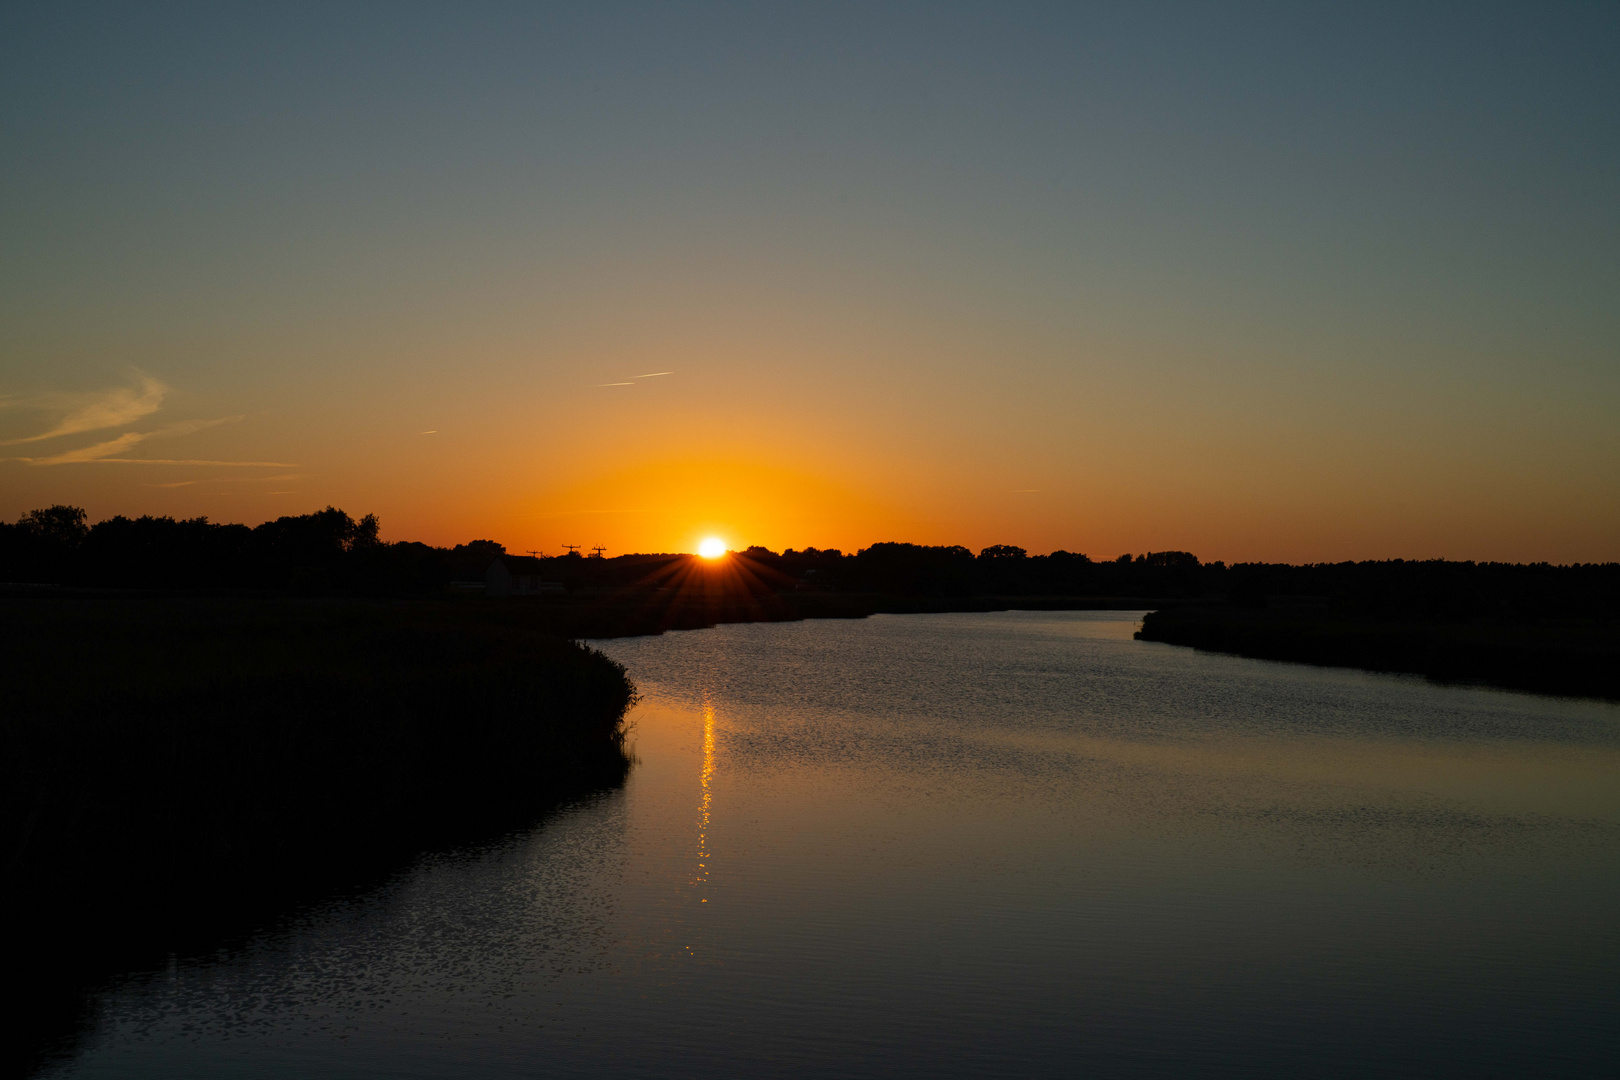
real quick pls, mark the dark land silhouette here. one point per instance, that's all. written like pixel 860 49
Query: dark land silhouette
pixel 1540 627
pixel 178 770
pixel 206 725
pixel 330 553
pixel 1543 628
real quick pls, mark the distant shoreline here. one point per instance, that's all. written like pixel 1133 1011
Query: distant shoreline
pixel 614 616
pixel 1571 658
pixel 1564 657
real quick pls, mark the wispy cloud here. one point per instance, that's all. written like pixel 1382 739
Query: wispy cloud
pixel 89 453
pixel 632 380
pixel 280 478
pixel 110 409
pixel 165 461
pixel 129 439
pixel 106 453
pixel 93 412
pixel 435 431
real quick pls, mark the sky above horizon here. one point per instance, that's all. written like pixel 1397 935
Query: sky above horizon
pixel 1256 282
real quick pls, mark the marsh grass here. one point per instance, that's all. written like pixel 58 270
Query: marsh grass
pixel 1552 655
pixel 173 769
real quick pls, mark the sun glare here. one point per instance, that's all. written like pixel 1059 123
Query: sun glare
pixel 712 548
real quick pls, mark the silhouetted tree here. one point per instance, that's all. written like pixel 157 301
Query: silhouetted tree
pixel 1003 551
pixel 62 527
pixel 153 552
pixel 42 545
pixel 469 561
pixel 917 569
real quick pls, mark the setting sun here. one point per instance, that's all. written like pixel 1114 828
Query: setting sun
pixel 712 548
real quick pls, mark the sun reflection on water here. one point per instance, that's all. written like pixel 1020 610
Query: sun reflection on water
pixel 707 795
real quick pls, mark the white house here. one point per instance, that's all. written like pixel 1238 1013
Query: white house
pixel 517 575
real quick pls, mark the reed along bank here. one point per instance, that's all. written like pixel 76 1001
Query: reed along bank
pixel 174 769
pixel 1550 655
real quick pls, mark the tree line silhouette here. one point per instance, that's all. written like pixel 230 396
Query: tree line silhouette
pixel 328 552
pixel 331 552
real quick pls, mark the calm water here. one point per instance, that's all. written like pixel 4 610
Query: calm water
pixel 1017 844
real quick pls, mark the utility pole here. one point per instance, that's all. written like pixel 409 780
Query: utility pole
pixel 596 552
pixel 573 548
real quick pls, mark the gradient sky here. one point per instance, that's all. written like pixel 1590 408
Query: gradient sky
pixel 1267 282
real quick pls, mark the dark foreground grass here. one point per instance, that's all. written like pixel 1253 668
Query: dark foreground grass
pixel 174 770
pixel 1578 657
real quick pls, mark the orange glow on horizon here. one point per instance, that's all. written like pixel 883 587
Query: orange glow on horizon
pixel 674 504
pixel 712 547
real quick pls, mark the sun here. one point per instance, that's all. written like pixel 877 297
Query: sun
pixel 712 547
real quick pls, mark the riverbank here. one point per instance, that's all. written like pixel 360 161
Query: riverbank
pixel 633 612
pixel 1571 656
pixel 175 769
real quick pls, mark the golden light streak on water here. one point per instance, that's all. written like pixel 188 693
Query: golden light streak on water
pixel 705 777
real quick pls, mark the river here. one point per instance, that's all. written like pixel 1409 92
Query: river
pixel 1009 844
